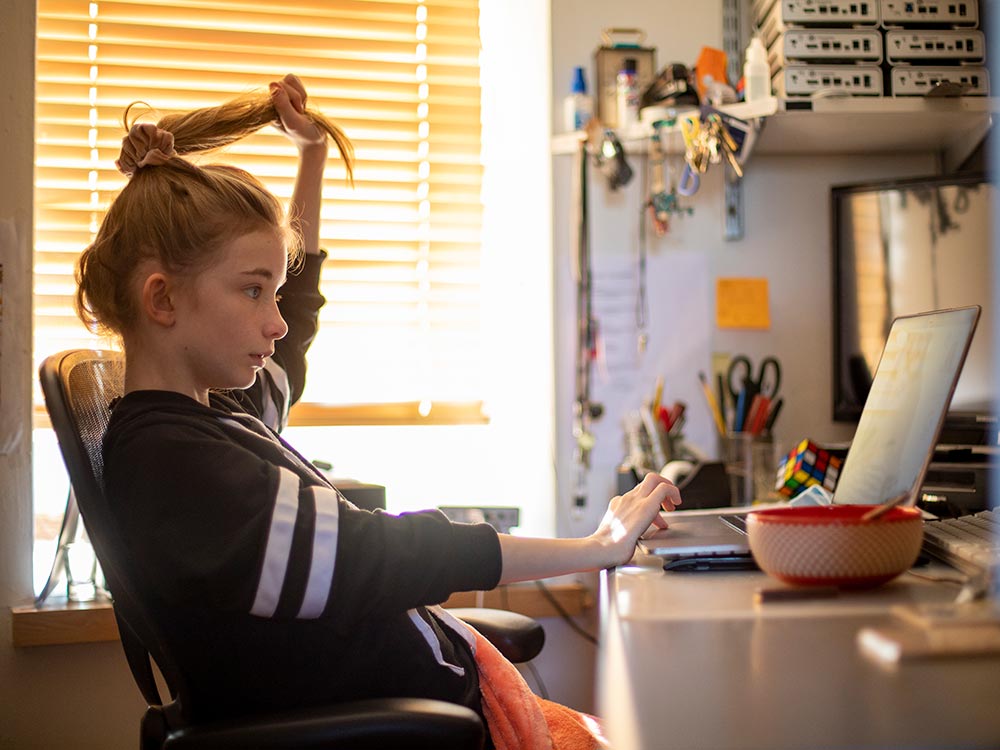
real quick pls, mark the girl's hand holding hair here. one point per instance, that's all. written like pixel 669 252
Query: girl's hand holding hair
pixel 289 98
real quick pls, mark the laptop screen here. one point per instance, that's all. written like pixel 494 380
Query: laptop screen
pixel 909 397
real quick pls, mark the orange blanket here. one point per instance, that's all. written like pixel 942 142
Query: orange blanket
pixel 520 720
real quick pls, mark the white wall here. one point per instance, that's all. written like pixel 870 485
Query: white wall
pixel 787 241
pixel 67 696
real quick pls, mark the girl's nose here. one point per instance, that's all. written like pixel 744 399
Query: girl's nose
pixel 276 327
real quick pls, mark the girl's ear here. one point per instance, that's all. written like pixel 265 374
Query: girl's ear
pixel 157 304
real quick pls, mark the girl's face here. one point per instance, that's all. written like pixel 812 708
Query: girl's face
pixel 228 317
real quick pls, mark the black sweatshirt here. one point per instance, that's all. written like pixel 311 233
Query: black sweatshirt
pixel 274 591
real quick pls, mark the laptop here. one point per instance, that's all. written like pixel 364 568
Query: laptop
pixel 892 447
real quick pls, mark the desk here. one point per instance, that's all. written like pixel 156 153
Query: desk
pixel 687 660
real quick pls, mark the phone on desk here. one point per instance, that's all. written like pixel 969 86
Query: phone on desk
pixel 708 564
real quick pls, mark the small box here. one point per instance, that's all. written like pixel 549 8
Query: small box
pixel 789 14
pixel 830 12
pixel 919 80
pixel 618 46
pixel 807 79
pixel 932 47
pixel 826 45
pixel 936 12
pixel 806 465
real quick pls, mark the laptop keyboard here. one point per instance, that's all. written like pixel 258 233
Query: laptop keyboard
pixel 737 520
pixel 968 543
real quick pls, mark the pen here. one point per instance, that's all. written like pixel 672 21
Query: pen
pixel 677 411
pixel 764 595
pixel 720 389
pixel 757 418
pixel 752 412
pixel 658 396
pixel 762 417
pixel 740 406
pixel 712 405
pixel 663 415
pixel 775 409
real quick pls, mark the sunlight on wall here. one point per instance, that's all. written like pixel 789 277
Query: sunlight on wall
pixel 510 460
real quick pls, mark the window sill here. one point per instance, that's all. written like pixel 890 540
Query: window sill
pixel 61 622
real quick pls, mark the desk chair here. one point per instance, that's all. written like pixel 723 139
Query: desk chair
pixel 78 386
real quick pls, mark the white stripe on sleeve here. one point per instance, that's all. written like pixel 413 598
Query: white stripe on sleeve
pixel 275 415
pixel 279 544
pixel 460 627
pixel 324 553
pixel 433 642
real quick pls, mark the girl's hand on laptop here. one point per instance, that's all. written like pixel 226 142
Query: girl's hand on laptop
pixel 632 514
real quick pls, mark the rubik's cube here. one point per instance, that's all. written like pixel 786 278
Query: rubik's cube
pixel 806 465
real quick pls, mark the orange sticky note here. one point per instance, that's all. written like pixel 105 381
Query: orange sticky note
pixel 742 303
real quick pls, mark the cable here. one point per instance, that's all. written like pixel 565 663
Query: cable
pixel 542 690
pixel 933 578
pixel 564 614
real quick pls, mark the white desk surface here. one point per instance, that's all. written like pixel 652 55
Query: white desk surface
pixel 689 661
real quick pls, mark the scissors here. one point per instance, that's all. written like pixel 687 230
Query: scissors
pixel 744 387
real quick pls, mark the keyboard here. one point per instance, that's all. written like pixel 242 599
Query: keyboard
pixel 968 543
pixel 737 521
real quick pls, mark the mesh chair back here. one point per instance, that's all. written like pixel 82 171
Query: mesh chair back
pixel 79 387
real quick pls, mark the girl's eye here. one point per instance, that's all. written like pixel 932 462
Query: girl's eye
pixel 252 292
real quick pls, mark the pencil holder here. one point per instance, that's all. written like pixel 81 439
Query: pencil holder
pixel 750 466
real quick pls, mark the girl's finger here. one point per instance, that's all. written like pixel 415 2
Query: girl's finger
pixel 281 93
pixel 296 92
pixel 294 82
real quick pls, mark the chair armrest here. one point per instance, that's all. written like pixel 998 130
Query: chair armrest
pixel 379 724
pixel 518 637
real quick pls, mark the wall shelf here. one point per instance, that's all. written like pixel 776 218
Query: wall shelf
pixel 847 125
pixel 954 127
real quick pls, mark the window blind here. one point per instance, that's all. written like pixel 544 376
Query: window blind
pixel 400 338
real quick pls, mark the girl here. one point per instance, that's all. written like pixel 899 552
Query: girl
pixel 273 589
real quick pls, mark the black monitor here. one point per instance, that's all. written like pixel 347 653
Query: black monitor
pixel 908 246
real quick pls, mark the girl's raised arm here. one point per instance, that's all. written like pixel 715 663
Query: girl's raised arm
pixel 289 97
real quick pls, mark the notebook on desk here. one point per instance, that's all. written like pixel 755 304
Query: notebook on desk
pixel 892 447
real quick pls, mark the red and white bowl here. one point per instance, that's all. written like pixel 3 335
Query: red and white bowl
pixel 831 546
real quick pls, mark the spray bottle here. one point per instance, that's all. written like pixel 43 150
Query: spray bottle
pixel 627 95
pixel 756 72
pixel 578 108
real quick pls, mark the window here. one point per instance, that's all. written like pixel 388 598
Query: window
pixel 505 461
pixel 400 340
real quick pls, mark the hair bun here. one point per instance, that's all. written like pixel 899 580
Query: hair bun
pixel 145 145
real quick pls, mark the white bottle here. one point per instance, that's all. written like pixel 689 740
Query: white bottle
pixel 578 108
pixel 756 72
pixel 627 91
